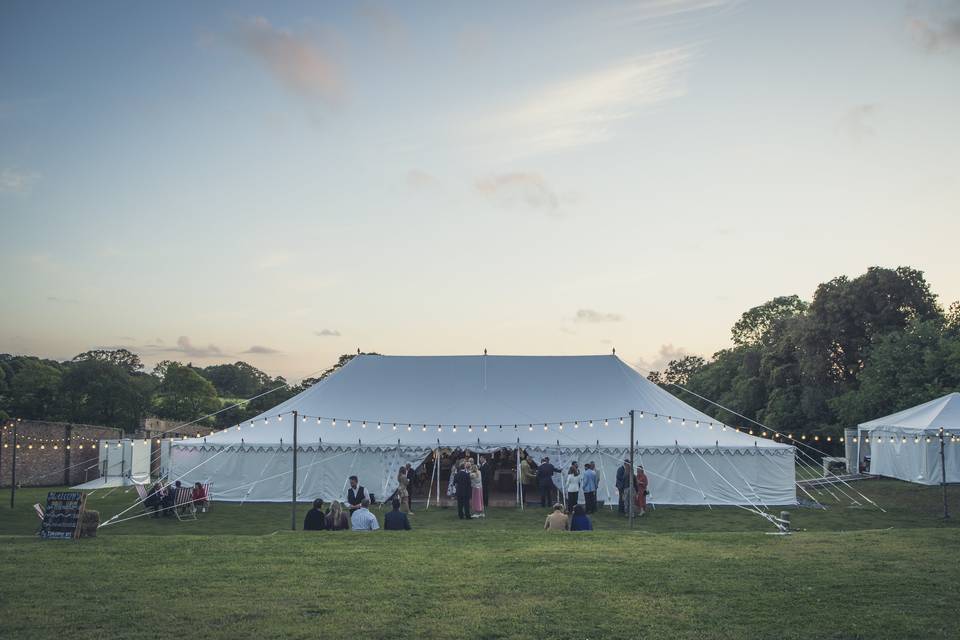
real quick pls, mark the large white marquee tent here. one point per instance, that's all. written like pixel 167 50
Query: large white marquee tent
pixel 379 412
pixel 906 444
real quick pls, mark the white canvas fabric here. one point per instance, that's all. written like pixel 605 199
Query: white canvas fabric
pixel 919 461
pixel 121 463
pixel 381 411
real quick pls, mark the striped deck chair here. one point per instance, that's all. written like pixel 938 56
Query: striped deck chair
pixel 183 506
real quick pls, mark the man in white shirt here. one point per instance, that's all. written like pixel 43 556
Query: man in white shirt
pixel 362 519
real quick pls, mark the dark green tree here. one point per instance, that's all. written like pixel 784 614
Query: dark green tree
pixel 129 362
pixel 185 395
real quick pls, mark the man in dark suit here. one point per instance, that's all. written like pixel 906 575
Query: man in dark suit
pixel 486 479
pixel 545 482
pixel 462 483
pixel 396 520
pixel 355 494
pixel 624 483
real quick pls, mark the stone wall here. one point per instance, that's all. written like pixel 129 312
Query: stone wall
pixel 52 453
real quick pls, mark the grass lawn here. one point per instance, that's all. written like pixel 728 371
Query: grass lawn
pixel 680 573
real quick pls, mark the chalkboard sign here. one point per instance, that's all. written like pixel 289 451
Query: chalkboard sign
pixel 61 518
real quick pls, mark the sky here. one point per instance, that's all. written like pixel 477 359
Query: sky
pixel 282 183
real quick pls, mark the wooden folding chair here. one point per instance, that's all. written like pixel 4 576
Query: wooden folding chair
pixel 183 506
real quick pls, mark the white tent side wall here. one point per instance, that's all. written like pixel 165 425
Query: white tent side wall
pixel 677 476
pixel 917 462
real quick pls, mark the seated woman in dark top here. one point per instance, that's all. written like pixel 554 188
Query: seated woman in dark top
pixel 316 519
pixel 580 520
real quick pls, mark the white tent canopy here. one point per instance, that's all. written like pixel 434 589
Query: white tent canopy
pixel 121 463
pixel 378 412
pixel 915 460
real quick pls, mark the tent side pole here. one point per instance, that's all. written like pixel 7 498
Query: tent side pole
pixel 943 476
pixel 630 490
pixel 293 494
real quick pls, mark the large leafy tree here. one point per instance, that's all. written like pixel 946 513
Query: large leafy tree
pixel 97 391
pixel 846 315
pixel 126 360
pixel 35 390
pixel 237 380
pixel 186 395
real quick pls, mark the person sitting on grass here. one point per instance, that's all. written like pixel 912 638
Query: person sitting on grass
pixel 337 520
pixel 556 521
pixel 580 520
pixel 170 499
pixel 316 519
pixel 362 519
pixel 396 520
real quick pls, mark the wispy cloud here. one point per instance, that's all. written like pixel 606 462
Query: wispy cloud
pixel 584 109
pixel 663 357
pixel 259 349
pixel 62 300
pixel 858 122
pixel 938 31
pixel 327 333
pixel 648 10
pixel 17 181
pixel 519 188
pixel 590 315
pixel 419 179
pixel 186 347
pixel 295 60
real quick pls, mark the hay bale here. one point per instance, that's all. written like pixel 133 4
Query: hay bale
pixel 89 524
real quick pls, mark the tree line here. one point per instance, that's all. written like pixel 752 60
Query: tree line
pixel 862 348
pixel 111 388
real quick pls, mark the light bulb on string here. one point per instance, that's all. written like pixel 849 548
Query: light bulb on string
pixel 364 425
pixel 348 424
pixel 279 418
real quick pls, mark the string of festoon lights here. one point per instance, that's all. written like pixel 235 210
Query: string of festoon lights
pixel 28 441
pixel 558 426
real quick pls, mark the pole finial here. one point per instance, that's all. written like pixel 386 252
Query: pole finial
pixel 484 351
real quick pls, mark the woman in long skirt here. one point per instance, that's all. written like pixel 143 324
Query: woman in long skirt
pixel 641 484
pixel 476 497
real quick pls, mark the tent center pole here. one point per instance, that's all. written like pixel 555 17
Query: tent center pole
pixel 943 477
pixel 293 494
pixel 629 488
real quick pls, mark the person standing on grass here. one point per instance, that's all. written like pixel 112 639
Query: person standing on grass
pixel 411 476
pixel 624 478
pixel 545 481
pixel 580 521
pixel 337 520
pixel 461 482
pixel 316 519
pixel 527 478
pixel 476 491
pixel 396 520
pixel 486 474
pixel 362 519
pixel 355 494
pixel 589 486
pixel 573 487
pixel 402 484
pixel 556 521
pixel 641 484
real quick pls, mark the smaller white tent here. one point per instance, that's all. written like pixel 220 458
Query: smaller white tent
pixel 906 445
pixel 122 463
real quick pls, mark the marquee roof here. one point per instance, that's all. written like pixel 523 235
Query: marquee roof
pixel 487 400
pixel 927 417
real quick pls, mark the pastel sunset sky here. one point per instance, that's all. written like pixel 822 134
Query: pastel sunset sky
pixel 285 182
